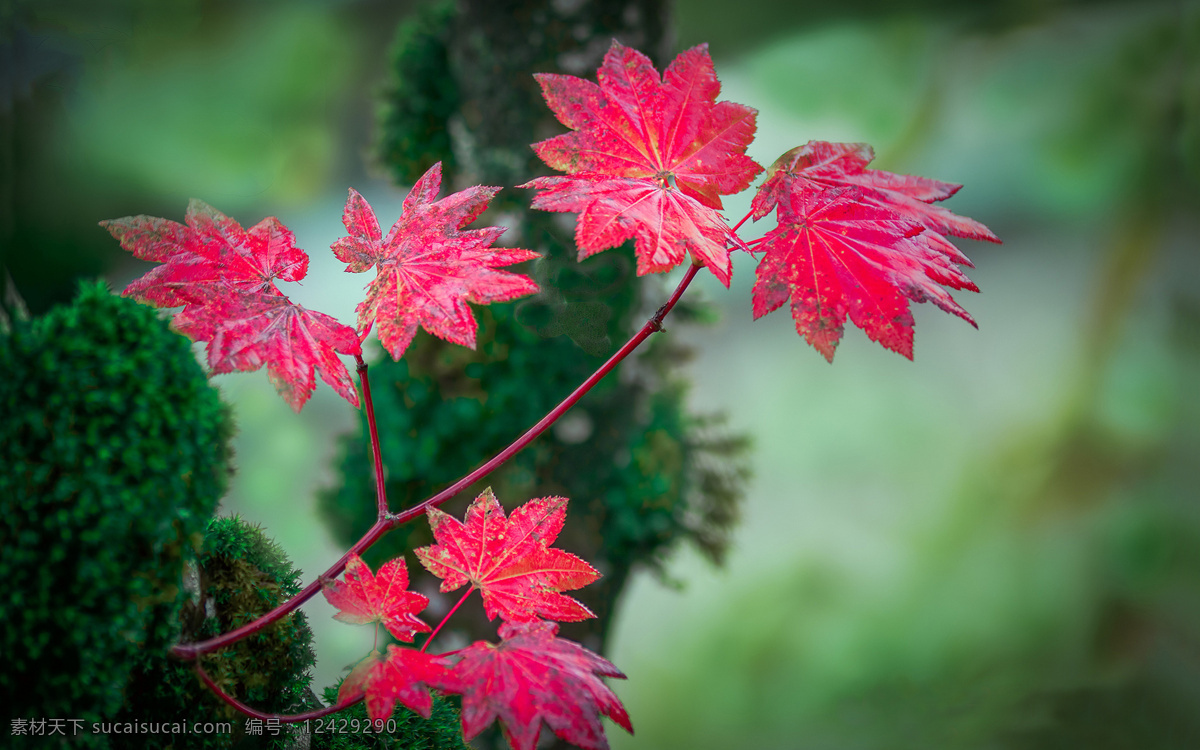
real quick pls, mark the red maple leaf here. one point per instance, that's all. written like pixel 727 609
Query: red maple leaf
pixel 211 252
pixel 509 559
pixel 532 676
pixel 649 158
pixel 403 676
pixel 818 164
pixel 835 255
pixel 224 276
pixel 383 598
pixel 428 266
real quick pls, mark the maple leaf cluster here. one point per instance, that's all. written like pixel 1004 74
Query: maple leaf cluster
pixel 649 158
pixel 224 277
pixel 428 266
pixel 531 676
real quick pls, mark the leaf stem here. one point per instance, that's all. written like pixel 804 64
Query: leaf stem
pixel 393 520
pixel 380 486
pixel 256 714
pixel 743 221
pixel 453 609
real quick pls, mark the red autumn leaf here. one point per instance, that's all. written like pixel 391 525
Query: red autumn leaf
pixel 210 253
pixel 429 267
pixel 666 223
pixel 383 598
pixel 224 276
pixel 246 330
pixel 818 164
pixel 403 677
pixel 509 559
pixel 649 158
pixel 532 676
pixel 835 255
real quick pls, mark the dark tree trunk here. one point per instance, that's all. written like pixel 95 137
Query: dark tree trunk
pixel 498 45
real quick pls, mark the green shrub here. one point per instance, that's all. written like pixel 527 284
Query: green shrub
pixel 114 451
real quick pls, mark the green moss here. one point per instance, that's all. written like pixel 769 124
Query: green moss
pixel 114 451
pixel 241 574
pixel 244 574
pixel 411 732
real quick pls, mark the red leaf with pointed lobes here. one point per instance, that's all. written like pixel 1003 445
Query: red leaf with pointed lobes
pixel 384 598
pixel 818 164
pixel 837 256
pixel 650 158
pixel 246 330
pixel 404 677
pixel 666 222
pixel 224 276
pixel 509 559
pixel 531 677
pixel 211 251
pixel 429 267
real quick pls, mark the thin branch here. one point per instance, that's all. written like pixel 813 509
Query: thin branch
pixel 743 221
pixel 193 650
pixel 282 718
pixel 381 527
pixel 380 487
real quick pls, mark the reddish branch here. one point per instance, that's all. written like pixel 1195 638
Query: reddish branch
pixel 380 487
pixel 389 521
pixel 282 718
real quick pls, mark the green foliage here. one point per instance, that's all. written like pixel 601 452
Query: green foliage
pixel 114 451
pixel 441 732
pixel 422 95
pixel 241 574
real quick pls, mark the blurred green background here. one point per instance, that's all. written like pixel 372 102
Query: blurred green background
pixel 994 546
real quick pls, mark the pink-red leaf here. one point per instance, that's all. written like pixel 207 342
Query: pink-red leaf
pixel 224 276
pixel 509 559
pixel 837 256
pixel 429 267
pixel 818 164
pixel 404 677
pixel 211 251
pixel 643 139
pixel 246 330
pixel 531 677
pixel 667 224
pixel 384 597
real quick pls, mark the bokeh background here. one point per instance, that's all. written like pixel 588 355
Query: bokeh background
pixel 996 545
